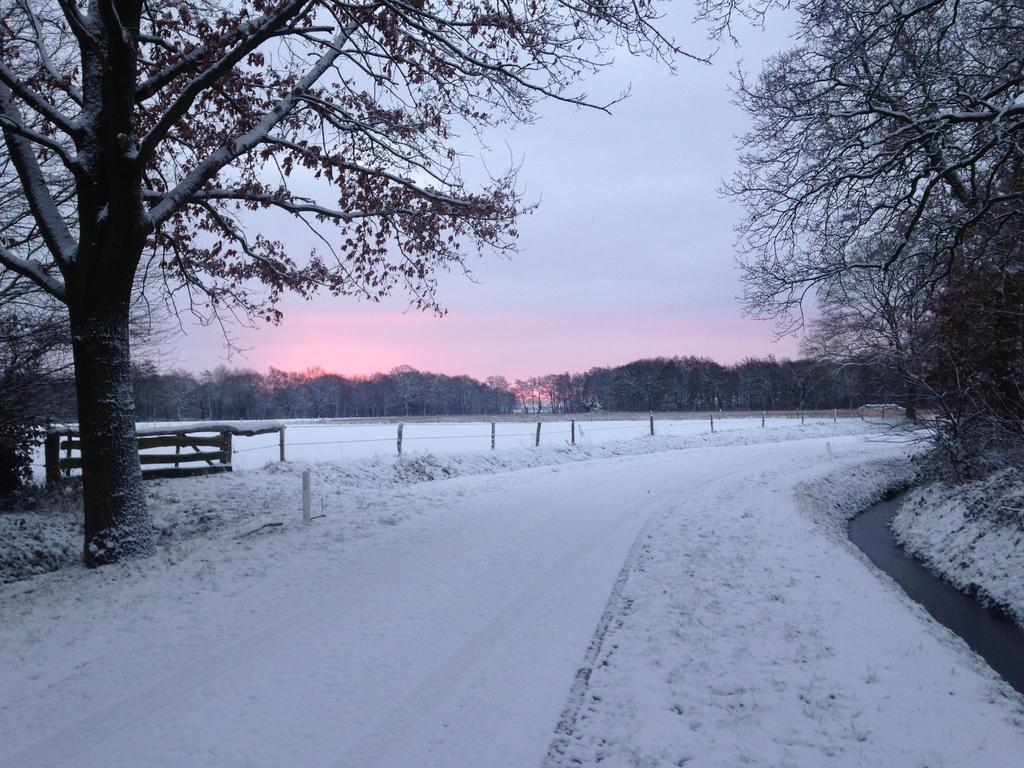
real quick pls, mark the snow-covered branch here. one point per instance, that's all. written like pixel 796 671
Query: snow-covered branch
pixel 47 215
pixel 893 122
pixel 56 78
pixel 209 167
pixel 296 205
pixel 251 37
pixel 34 100
pixel 34 271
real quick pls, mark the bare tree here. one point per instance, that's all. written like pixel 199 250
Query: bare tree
pixel 891 120
pixel 320 390
pixel 973 364
pixel 144 138
pixel 876 318
pixel 885 172
pixel 500 399
pixel 407 382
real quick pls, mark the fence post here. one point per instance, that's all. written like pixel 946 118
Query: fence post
pixel 572 431
pixel 835 415
pixel 652 423
pixel 68 451
pixel 225 455
pixel 801 417
pixel 537 443
pixel 400 426
pixel 762 419
pixel 492 435
pixel 282 443
pixel 177 449
pixel 52 458
pixel 306 497
pixel 712 421
pixel 828 449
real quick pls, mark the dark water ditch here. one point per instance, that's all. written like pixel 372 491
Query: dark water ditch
pixel 987 630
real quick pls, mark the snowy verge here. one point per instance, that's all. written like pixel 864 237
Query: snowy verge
pixel 41 540
pixel 833 499
pixel 971 535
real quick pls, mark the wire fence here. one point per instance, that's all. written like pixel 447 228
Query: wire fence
pixel 478 437
pixel 549 431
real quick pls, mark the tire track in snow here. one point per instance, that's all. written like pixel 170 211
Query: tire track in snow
pixel 617 606
pixel 379 747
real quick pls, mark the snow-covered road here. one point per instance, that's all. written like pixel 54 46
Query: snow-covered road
pixel 455 638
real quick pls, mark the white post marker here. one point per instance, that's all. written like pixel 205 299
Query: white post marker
pixel 307 513
pixel 828 449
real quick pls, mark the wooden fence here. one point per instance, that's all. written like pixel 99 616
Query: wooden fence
pixel 204 449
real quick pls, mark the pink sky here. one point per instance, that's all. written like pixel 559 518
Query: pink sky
pixel 514 345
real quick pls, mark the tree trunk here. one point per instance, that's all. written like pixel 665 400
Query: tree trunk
pixel 117 522
pixel 913 394
pixel 911 409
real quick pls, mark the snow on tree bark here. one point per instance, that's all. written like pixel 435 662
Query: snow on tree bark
pixel 116 520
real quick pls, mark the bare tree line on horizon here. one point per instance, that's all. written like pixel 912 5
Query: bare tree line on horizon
pixel 658 384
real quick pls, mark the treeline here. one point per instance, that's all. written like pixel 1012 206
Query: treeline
pixel 661 384
pixel 224 393
pixel 700 384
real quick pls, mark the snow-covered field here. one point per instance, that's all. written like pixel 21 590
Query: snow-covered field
pixel 618 605
pixel 332 441
pixel 342 440
pixel 972 535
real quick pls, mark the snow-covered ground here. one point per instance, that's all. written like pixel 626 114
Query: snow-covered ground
pixel 972 535
pixel 750 631
pixel 693 607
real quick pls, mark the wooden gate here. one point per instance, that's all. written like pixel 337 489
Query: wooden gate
pixel 203 449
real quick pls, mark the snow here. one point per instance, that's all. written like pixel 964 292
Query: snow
pixel 440 614
pixel 972 535
pixel 234 427
pixel 350 460
pixel 750 631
